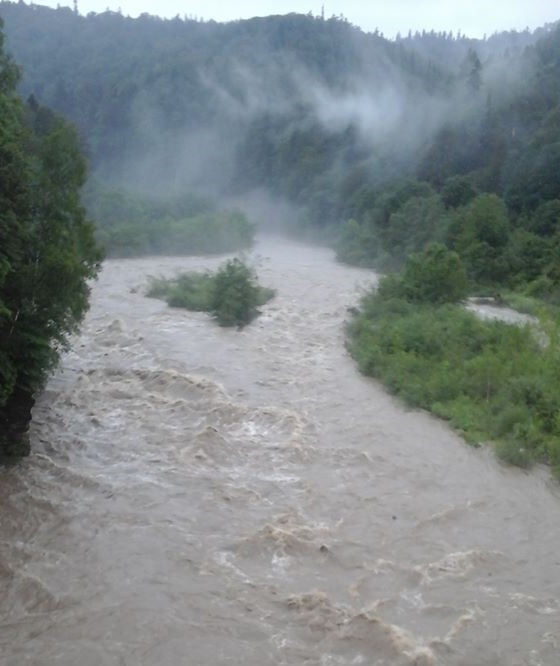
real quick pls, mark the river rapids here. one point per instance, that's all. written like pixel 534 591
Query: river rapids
pixel 199 496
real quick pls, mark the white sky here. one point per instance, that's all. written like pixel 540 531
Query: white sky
pixel 474 18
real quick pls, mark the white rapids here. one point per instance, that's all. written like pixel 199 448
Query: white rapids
pixel 202 496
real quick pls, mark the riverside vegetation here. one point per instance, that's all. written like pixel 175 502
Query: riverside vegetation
pixel 231 295
pixel 47 251
pixel 379 147
pixel 129 224
pixel 491 380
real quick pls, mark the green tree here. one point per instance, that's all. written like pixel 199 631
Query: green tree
pixel 435 276
pixel 480 235
pixel 232 294
pixel 417 222
pixel 546 219
pixel 235 294
pixel 472 71
pixel 47 252
pixel 457 191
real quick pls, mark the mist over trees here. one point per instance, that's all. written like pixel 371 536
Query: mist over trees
pixel 378 146
pixel 434 155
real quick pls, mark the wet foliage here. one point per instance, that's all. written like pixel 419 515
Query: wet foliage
pixel 231 295
pixel 494 382
pixel 47 250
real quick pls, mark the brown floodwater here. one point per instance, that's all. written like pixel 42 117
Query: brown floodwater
pixel 206 496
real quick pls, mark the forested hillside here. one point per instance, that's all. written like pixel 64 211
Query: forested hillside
pixel 380 146
pixel 189 94
pixel 434 154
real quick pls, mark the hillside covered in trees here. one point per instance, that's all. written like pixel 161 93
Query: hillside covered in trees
pixel 377 146
pixel 434 154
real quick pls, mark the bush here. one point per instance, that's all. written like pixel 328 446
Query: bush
pixel 232 295
pixel 236 294
pixel 492 381
pixel 192 291
pixel 435 276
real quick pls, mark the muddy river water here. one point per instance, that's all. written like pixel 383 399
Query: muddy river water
pixel 200 496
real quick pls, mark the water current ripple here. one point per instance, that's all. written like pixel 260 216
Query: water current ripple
pixel 201 497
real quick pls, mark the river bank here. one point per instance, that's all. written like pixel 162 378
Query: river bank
pixel 200 495
pixel 485 370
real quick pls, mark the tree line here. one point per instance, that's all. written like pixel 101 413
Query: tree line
pixel 336 121
pixel 382 147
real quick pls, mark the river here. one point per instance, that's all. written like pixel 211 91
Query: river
pixel 199 496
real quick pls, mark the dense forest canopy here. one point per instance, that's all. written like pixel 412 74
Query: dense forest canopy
pixel 383 145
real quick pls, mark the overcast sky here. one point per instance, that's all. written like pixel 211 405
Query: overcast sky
pixel 473 18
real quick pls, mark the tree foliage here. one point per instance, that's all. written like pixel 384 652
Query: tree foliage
pixel 494 382
pixel 338 122
pixel 131 224
pixel 231 295
pixel 47 251
pixel 312 110
pixel 435 276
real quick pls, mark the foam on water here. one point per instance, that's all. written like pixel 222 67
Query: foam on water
pixel 204 496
